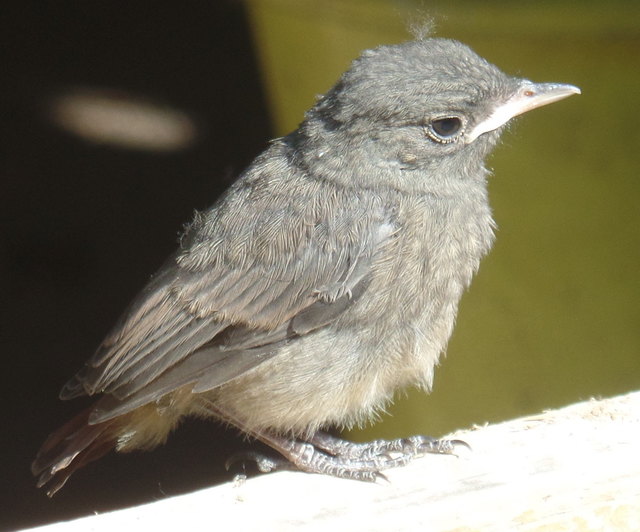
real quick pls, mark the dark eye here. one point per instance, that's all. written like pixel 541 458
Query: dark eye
pixel 445 129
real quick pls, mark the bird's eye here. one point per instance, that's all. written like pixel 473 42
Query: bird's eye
pixel 445 130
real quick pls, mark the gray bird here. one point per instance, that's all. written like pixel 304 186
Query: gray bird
pixel 326 278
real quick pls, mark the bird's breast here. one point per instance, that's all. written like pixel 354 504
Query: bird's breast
pixel 419 278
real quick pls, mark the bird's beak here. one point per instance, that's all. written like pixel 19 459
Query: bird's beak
pixel 528 96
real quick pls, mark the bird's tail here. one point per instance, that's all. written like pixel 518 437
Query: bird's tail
pixel 71 447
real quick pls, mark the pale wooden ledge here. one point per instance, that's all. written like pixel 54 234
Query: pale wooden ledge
pixel 577 468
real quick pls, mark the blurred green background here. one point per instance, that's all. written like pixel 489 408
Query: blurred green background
pixel 552 317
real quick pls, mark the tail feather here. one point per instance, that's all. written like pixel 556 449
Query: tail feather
pixel 71 447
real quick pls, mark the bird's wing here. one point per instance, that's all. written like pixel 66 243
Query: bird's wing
pixel 224 304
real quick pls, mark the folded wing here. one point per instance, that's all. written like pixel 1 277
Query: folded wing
pixel 230 297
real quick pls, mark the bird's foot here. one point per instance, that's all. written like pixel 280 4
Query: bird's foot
pixel 329 455
pixel 264 463
pixel 411 447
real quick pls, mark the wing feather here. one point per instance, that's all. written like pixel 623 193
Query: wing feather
pixel 232 295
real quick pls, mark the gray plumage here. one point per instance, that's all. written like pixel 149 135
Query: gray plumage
pixel 329 274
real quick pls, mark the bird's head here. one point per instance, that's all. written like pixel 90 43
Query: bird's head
pixel 425 103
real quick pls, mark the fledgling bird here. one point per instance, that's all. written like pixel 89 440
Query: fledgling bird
pixel 327 277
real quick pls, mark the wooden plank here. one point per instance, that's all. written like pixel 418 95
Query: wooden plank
pixel 577 468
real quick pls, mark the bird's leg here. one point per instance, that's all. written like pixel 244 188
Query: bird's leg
pixel 305 456
pixel 326 454
pixel 329 455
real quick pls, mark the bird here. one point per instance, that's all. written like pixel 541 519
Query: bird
pixel 325 279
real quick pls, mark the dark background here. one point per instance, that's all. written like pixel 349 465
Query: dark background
pixel 82 225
